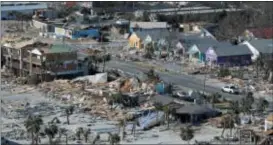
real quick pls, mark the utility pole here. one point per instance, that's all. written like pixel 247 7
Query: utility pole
pixel 205 77
pixel 104 52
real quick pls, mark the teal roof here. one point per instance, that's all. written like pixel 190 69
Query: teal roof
pixel 59 48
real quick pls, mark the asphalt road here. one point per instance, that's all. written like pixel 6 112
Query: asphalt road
pixel 181 80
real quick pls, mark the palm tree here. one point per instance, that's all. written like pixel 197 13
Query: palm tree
pixel 114 139
pixel 97 138
pixel 169 88
pixel 235 107
pixel 166 110
pixel 106 57
pixel 63 131
pixel 71 19
pixel 86 133
pixel 117 98
pixel 262 104
pixel 250 97
pixel 186 134
pixel 122 124
pixel 135 124
pixel 33 126
pixel 11 14
pixel 158 107
pixel 27 18
pixel 152 75
pixel 69 111
pixel 92 63
pixel 246 103
pixel 214 98
pixel 79 132
pixel 51 131
pixel 259 63
pixel 227 122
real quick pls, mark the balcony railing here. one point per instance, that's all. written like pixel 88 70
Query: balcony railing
pixel 34 60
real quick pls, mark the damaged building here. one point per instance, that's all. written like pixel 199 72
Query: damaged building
pixel 30 57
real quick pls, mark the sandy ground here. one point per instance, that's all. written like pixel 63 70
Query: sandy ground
pixel 13 126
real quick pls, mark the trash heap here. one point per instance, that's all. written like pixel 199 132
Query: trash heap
pixel 94 93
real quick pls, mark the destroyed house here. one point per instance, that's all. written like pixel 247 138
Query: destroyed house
pixel 56 60
pixel 260 47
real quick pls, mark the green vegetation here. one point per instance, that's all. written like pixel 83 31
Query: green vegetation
pixel 223 72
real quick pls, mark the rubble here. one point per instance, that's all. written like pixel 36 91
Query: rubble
pixel 130 85
pixel 94 92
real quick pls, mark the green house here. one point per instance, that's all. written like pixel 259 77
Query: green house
pixel 198 51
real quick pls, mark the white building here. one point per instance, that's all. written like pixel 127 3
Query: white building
pixel 23 7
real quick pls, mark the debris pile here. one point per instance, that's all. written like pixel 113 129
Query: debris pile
pixel 17 134
pixel 96 94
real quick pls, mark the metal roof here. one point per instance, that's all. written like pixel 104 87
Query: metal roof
pixel 263 45
pixel 205 43
pixel 164 99
pixel 154 33
pixel 227 49
pixel 148 25
pixel 195 109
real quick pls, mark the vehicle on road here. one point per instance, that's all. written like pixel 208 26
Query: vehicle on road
pixel 233 89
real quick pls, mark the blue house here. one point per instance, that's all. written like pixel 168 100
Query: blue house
pixel 74 31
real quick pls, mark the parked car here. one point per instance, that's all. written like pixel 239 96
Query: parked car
pixel 233 89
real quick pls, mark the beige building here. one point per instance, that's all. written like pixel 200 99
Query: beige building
pixel 268 122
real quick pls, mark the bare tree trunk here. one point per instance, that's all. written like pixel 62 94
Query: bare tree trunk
pixel 32 138
pixel 224 128
pixel 66 139
pixel 270 76
pixel 86 138
pixel 123 132
pixel 103 64
pixel 50 140
pixel 37 138
pixel 67 119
